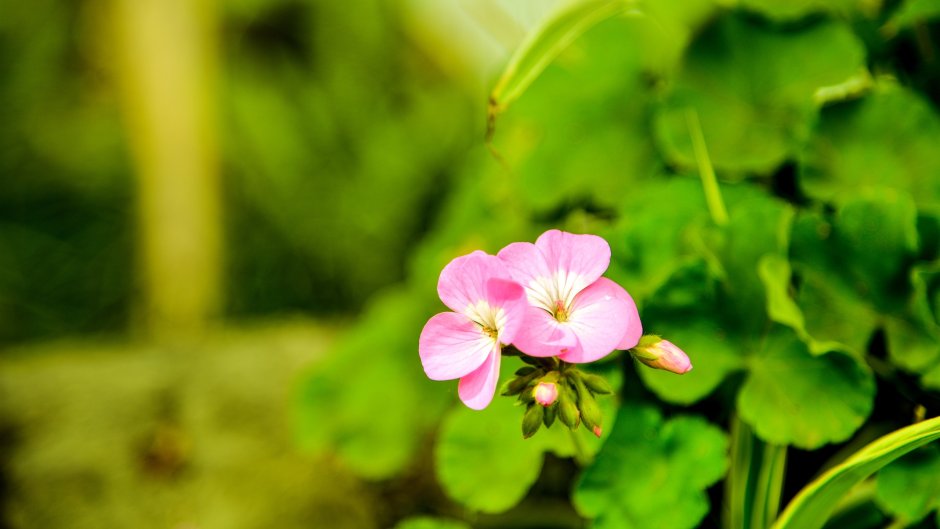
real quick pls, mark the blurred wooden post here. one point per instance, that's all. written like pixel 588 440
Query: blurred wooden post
pixel 165 53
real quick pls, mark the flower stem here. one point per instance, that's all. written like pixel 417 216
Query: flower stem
pixel 580 454
pixel 716 206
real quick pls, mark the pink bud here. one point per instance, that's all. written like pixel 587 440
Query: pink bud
pixel 662 354
pixel 545 393
pixel 597 431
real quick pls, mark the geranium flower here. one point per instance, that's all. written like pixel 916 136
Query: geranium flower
pixel 488 311
pixel 573 313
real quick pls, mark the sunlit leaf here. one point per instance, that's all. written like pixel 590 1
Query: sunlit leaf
pixel 910 487
pixel 815 503
pixel 545 43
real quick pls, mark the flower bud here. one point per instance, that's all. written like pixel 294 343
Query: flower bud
pixel 661 354
pixel 532 420
pixel 545 393
pixel 597 384
pixel 591 415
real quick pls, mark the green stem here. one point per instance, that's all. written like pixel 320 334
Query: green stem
pixel 716 206
pixel 580 454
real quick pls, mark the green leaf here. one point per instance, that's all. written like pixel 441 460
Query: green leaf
pixel 913 11
pixel 909 488
pixel 755 481
pixel 885 140
pixel 599 77
pixel 792 397
pixel 545 43
pixel 427 522
pixel 650 242
pixel 914 339
pixel 372 387
pixel 652 473
pixel 833 310
pixel 815 503
pixel 755 108
pixel 481 459
pixel 876 236
pixel 786 10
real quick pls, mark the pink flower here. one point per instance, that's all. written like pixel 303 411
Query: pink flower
pixel 545 393
pixel 662 354
pixel 573 312
pixel 488 311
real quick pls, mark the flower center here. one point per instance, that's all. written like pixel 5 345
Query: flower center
pixel 560 313
pixel 490 331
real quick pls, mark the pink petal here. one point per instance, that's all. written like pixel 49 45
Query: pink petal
pixel 452 346
pixel 584 256
pixel 600 319
pixel 542 335
pixel 476 389
pixel 463 281
pixel 527 265
pixel 634 326
pixel 511 297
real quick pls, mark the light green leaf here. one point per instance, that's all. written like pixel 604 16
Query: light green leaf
pixel 885 140
pixel 545 43
pixel 913 11
pixel 755 108
pixel 652 473
pixel 481 459
pixel 910 487
pixel 792 397
pixel 793 9
pixel 816 502
pixel 427 522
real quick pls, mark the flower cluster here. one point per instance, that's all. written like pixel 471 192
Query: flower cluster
pixel 547 300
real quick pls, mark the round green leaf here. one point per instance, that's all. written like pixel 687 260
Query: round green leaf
pixel 651 473
pixel 910 487
pixel 752 88
pixel 887 139
pixel 482 461
pixel 792 397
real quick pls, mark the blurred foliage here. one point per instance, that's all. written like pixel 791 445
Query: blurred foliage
pixel 338 135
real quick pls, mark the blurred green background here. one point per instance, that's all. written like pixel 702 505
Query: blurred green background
pixel 222 222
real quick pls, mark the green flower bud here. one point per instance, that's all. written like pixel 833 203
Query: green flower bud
pixel 590 412
pixel 597 384
pixel 568 412
pixel 532 420
pixel 549 416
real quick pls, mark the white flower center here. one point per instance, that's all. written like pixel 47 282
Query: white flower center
pixel 491 319
pixel 556 293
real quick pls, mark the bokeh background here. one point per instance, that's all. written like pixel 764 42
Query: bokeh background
pixel 222 221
